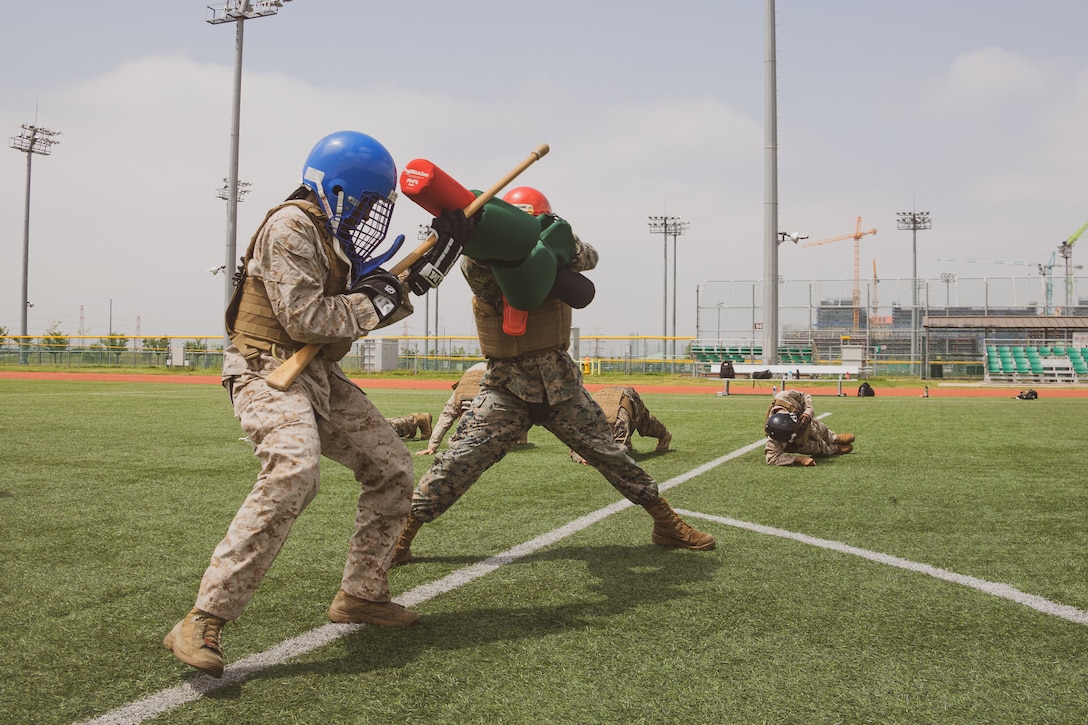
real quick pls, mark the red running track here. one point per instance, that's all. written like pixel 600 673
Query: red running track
pixel 736 387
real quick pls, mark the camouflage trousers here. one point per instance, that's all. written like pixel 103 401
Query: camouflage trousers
pixel 818 440
pixel 493 426
pixel 289 440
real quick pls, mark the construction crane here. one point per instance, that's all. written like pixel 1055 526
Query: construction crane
pixel 856 236
pixel 1066 250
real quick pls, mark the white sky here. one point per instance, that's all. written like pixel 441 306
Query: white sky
pixel 973 110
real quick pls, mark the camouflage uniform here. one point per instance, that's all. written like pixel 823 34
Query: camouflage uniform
pixel 322 413
pixel 405 426
pixel 627 414
pixel 463 392
pixel 816 440
pixel 517 393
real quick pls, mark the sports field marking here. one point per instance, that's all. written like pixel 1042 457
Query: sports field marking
pixel 997 589
pixel 240 671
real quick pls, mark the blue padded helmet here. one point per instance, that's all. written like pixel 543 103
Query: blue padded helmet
pixel 355 178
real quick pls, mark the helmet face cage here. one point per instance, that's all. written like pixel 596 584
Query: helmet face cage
pixel 363 230
pixel 354 178
pixel 781 427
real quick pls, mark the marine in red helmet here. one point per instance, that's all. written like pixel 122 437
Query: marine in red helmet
pixel 532 380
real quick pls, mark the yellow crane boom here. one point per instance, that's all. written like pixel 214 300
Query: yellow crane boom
pixel 856 236
pixel 1065 249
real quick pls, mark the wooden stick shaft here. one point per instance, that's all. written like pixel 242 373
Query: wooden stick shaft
pixel 282 377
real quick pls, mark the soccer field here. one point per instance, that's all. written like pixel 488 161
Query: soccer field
pixel 936 574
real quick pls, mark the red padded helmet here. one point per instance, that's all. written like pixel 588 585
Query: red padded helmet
pixel 528 200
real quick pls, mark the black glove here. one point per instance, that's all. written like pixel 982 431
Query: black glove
pixel 382 289
pixel 452 224
pixel 429 270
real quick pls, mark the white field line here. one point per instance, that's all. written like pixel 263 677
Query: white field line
pixel 238 672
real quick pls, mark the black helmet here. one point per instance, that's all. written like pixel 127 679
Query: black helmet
pixel 781 426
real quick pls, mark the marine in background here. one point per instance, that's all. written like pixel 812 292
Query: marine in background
pixel 627 415
pixel 795 437
pixel 464 390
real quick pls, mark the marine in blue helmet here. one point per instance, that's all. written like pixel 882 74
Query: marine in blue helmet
pixel 311 274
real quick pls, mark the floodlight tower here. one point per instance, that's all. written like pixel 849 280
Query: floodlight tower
pixel 224 191
pixel 913 221
pixel 237 11
pixel 667 226
pixel 31 140
pixel 677 229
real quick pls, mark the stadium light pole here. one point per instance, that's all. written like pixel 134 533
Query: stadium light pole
pixel 771 235
pixel 948 278
pixel 665 226
pixel 31 140
pixel 237 11
pixel 677 229
pixel 913 221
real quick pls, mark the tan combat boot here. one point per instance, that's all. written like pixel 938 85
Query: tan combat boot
pixel 402 551
pixel 663 442
pixel 423 420
pixel 841 438
pixel 670 529
pixel 346 609
pixel 195 641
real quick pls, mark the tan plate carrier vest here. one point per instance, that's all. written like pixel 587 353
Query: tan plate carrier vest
pixel 251 321
pixel 611 400
pixel 547 329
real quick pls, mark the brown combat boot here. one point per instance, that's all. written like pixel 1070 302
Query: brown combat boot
pixel 663 442
pixel 844 438
pixel 195 641
pixel 423 420
pixel 670 529
pixel 402 551
pixel 845 448
pixel 346 609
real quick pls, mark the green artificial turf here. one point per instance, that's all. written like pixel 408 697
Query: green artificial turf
pixel 112 496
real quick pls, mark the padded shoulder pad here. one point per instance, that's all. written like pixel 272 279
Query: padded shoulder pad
pixel 558 236
pixel 503 232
